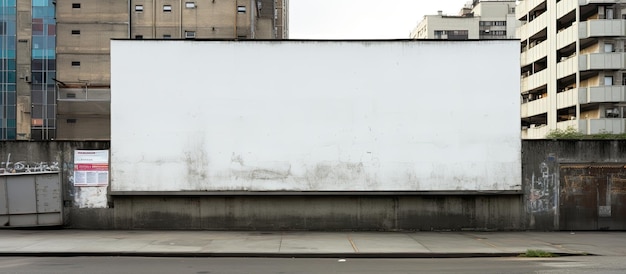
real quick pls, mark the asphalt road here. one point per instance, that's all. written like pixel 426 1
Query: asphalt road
pixel 578 264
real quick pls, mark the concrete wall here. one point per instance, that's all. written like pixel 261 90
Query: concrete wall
pixel 22 157
pixel 537 207
pixel 542 161
pixel 323 212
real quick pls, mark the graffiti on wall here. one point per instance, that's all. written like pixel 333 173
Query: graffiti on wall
pixel 542 193
pixel 9 166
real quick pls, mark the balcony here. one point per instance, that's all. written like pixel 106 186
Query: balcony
pixel 533 54
pixel 587 2
pixel 566 67
pixel 565 6
pixel 525 6
pixel 611 125
pixel 586 126
pixel 567 98
pixel 535 132
pixel 567 124
pixel 601 61
pixel 535 107
pixel 84 102
pixel 602 94
pixel 534 81
pixel 567 36
pixel 602 28
pixel 533 27
pixel 83 113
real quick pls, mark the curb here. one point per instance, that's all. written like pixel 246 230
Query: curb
pixel 273 255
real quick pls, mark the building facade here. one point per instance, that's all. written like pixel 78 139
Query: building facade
pixel 27 69
pixel 573 66
pixel 494 19
pixel 55 63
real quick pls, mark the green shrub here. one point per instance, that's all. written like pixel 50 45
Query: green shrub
pixel 571 133
pixel 537 253
pixel 568 133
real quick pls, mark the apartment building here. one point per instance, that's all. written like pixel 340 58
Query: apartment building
pixel 486 19
pixel 55 63
pixel 573 66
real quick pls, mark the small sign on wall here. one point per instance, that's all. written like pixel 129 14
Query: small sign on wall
pixel 604 211
pixel 91 167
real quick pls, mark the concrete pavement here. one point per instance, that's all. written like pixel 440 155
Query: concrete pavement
pixel 69 242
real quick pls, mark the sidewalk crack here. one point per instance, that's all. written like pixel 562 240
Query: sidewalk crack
pixel 280 244
pixel 356 250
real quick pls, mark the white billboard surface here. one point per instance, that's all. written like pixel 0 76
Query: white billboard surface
pixel 315 116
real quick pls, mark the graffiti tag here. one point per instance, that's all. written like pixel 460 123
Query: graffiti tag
pixel 27 166
pixel 542 195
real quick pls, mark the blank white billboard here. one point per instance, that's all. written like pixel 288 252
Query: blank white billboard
pixel 315 115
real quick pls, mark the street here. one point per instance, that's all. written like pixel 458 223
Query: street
pixel 569 264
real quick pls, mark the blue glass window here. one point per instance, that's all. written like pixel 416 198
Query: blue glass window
pixel 7 42
pixel 7 76
pixel 9 11
pixel 11 109
pixel 8 25
pixel 40 12
pixel 43 64
pixel 11 132
pixel 9 3
pixel 40 3
pixel 38 53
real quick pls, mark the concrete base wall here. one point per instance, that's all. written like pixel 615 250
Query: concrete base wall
pixel 89 218
pixel 536 207
pixel 384 213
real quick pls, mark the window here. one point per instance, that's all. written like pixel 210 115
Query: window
pixel 139 8
pixel 609 13
pixel 167 36
pixel 75 63
pixel 608 80
pixel 75 32
pixel 167 8
pixel 608 47
pixel 190 34
pixel 76 5
pixel 138 36
pixel 495 32
pixel 241 9
pixel 190 5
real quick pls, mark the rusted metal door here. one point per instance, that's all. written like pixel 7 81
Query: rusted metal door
pixel 592 197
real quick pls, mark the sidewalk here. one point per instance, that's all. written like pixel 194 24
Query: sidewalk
pixel 68 242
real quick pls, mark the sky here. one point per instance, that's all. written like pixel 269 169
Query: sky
pixel 362 19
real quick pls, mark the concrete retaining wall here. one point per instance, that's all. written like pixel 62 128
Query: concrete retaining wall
pixel 536 208
pixel 384 213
